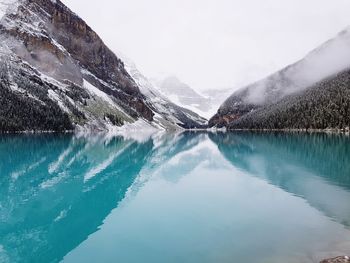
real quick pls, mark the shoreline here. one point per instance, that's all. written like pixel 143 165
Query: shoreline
pixel 330 131
pixel 209 130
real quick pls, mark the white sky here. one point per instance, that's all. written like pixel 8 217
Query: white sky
pixel 212 44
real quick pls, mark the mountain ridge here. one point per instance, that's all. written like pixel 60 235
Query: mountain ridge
pixel 324 62
pixel 52 47
pixel 205 103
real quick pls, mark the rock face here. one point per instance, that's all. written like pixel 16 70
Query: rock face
pixel 344 259
pixel 313 80
pixel 46 48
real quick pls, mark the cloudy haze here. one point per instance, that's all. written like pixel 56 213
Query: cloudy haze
pixel 214 43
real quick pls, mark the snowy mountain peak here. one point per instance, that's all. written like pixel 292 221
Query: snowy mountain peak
pixel 204 103
pixel 54 63
pixel 167 112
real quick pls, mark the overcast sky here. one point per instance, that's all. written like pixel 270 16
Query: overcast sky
pixel 212 44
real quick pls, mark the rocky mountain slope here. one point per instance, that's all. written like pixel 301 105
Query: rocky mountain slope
pixel 312 93
pixel 182 94
pixel 57 74
pixel 166 112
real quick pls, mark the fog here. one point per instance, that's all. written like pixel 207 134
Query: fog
pixel 330 58
pixel 214 44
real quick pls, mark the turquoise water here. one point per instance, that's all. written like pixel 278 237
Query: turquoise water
pixel 194 197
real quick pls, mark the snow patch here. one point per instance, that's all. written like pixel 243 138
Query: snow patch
pixel 53 167
pixel 56 98
pixel 101 167
pixel 165 111
pixel 96 92
pixel 6 6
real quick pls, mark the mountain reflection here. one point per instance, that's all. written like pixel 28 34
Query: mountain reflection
pixel 57 190
pixel 315 167
pixel 55 185
pixel 52 187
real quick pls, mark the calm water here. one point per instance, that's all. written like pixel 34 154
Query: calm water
pixel 196 197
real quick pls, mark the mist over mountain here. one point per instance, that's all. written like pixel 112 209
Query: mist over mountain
pixel 204 103
pixel 312 93
pixel 167 113
pixel 217 97
pixel 57 74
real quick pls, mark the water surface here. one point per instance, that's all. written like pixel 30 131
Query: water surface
pixel 191 197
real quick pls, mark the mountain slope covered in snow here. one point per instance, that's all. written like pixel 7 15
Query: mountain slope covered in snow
pixel 183 94
pixel 203 103
pixel 312 93
pixel 167 113
pixel 57 74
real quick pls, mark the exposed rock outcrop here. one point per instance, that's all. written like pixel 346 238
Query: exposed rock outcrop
pixel 344 259
pixel 51 46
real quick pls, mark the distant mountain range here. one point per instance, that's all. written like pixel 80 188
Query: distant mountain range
pixel 57 74
pixel 205 103
pixel 313 93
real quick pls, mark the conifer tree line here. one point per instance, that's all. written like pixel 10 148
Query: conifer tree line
pixel 326 105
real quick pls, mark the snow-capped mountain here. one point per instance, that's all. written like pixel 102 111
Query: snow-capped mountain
pixel 182 94
pixel 303 93
pixel 166 112
pixel 57 74
pixel 204 103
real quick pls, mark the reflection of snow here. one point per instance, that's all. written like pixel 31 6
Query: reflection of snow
pixel 3 255
pixel 101 167
pixel 53 167
pixel 62 214
pixel 52 182
pixel 167 161
pixel 139 131
pixel 206 145
pixel 16 175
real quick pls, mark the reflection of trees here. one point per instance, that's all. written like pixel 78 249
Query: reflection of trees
pixel 56 190
pixel 323 154
pixel 313 166
pixel 48 207
pixel 174 146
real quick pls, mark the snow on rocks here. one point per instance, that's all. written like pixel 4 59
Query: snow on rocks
pixel 343 259
pixel 6 6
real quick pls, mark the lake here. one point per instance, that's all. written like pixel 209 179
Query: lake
pixel 191 197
